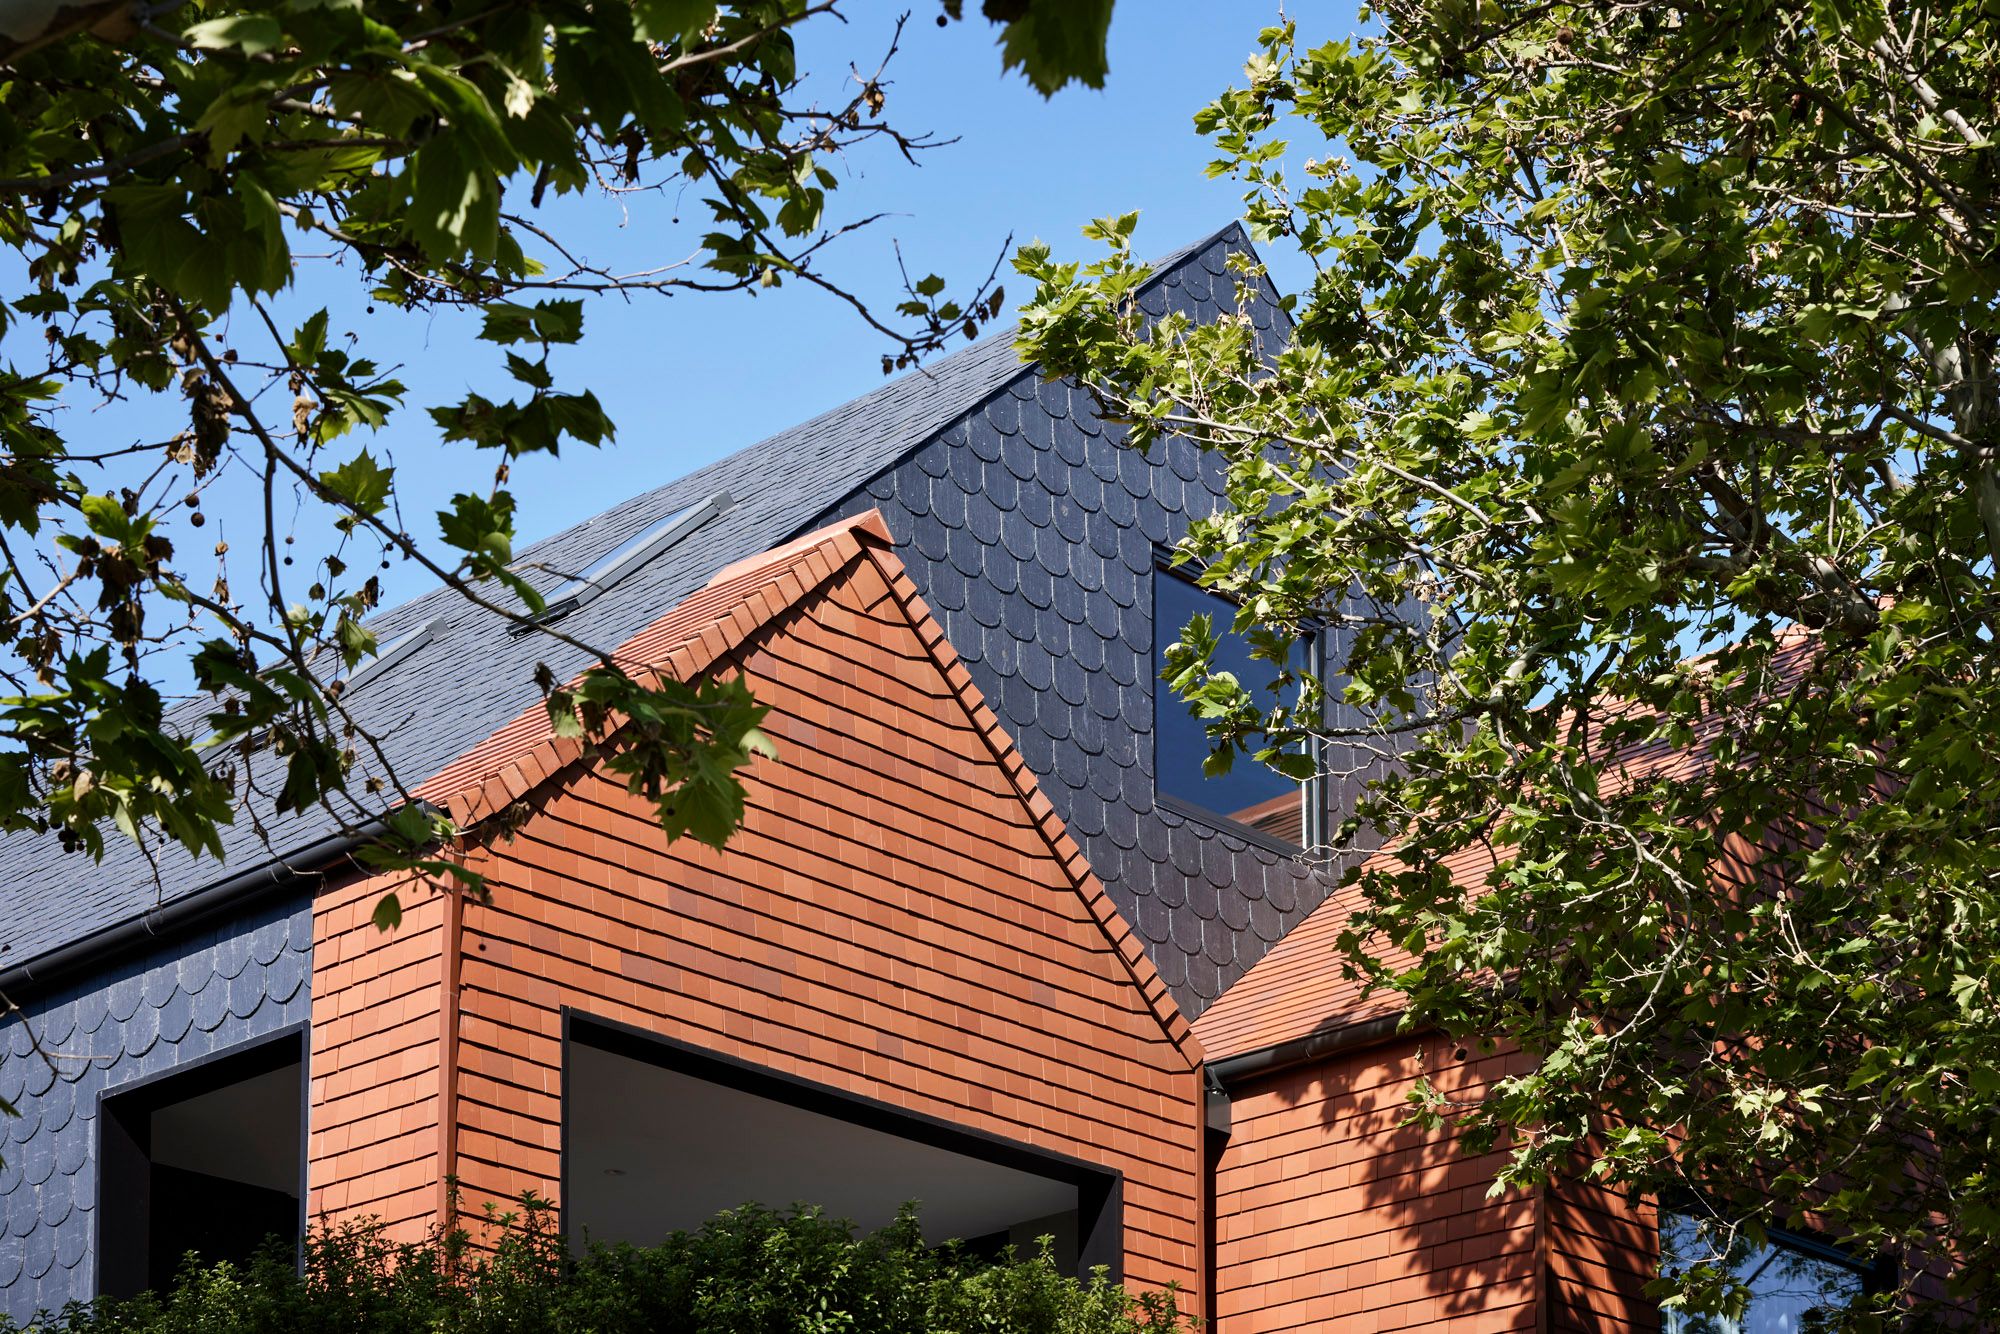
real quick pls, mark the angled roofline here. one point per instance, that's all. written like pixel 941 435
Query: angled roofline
pixel 993 369
pixel 311 866
pixel 517 759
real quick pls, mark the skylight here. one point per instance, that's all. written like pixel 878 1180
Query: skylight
pixel 607 570
pixel 387 655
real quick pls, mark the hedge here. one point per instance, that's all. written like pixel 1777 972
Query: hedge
pixel 748 1271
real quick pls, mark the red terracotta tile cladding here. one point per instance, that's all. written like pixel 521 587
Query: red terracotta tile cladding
pixel 1331 1215
pixel 901 914
pixel 374 1141
pixel 1318 1179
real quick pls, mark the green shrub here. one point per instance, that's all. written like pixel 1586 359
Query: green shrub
pixel 748 1271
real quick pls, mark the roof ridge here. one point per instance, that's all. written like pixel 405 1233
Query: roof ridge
pixel 523 753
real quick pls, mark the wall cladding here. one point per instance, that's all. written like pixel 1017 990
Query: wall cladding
pixel 1332 1215
pixel 891 920
pixel 189 996
pixel 1031 532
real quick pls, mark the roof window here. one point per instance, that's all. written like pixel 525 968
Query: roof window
pixel 607 570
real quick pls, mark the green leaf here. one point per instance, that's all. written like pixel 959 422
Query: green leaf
pixel 252 34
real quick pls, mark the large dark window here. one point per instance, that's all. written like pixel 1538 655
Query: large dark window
pixel 1797 1285
pixel 659 1137
pixel 209 1158
pixel 1251 797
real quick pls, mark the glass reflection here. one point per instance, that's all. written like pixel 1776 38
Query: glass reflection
pixel 1793 1290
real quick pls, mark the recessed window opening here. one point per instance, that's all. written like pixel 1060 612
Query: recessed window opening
pixel 605 572
pixel 1797 1285
pixel 1251 799
pixel 660 1137
pixel 209 1158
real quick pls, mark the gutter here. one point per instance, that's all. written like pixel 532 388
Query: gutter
pixel 1300 1051
pixel 94 950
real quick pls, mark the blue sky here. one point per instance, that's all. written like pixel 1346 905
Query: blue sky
pixel 691 378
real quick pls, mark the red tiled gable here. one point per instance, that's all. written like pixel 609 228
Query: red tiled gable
pixel 902 916
pixel 689 639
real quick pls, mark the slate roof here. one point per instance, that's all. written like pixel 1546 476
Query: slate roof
pixel 475 673
pixel 1024 523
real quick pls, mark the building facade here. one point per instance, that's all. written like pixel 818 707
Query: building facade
pixel 988 938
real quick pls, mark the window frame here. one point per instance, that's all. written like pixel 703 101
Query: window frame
pixel 1876 1276
pixel 120 1237
pixel 1100 1191
pixel 1312 792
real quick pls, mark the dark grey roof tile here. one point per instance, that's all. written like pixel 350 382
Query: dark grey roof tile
pixel 1003 572
pixel 985 444
pixel 1088 650
pixel 1053 544
pixel 1266 921
pixel 1070 602
pixel 125 997
pixel 1038 586
pixel 1017 525
pixel 138 1036
pixel 1120 509
pixel 40 1255
pixel 73 1245
pixel 1003 413
pixel 962 548
pixel 211 1006
pixel 38 1155
pixel 1037 666
pixel 1054 398
pixel 1071 444
pixel 1282 892
pixel 1121 826
pixel 966 471
pixel 1000 489
pixel 1072 683
pixel 1069 768
pixel 945 595
pixel 1017 455
pixel 1104 538
pixel 1218 941
pixel 176 1016
pixel 982 519
pixel 1057 718
pixel 1204 979
pixel 1086 567
pixel 984 603
pixel 1185 929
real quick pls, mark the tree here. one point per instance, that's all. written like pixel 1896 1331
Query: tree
pixel 166 171
pixel 1637 442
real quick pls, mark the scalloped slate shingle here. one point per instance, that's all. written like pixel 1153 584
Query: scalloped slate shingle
pixel 1026 527
pixel 233 983
pixel 1032 533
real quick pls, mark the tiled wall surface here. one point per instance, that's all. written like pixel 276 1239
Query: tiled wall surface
pixel 1333 1216
pixel 891 920
pixel 377 1017
pixel 1032 533
pixel 190 996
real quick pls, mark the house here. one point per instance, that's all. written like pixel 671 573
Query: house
pixel 988 938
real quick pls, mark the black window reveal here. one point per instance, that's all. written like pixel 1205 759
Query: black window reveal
pixel 1251 797
pixel 208 1158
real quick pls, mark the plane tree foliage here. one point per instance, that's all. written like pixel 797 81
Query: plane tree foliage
pixel 172 176
pixel 1637 446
